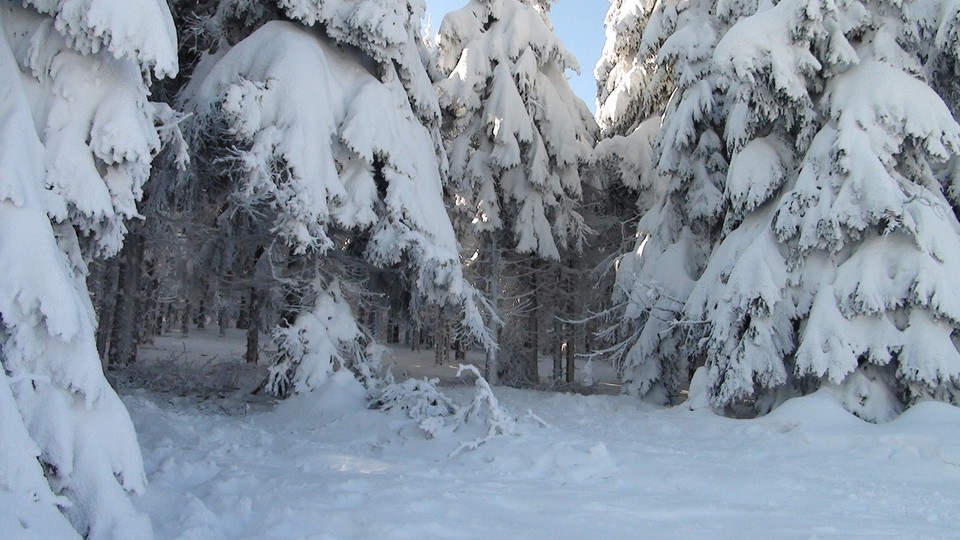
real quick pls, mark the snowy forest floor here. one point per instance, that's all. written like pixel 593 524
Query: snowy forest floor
pixel 224 464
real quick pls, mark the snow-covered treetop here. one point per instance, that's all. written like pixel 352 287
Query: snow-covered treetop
pixel 630 85
pixel 331 152
pixel 768 57
pixel 938 35
pixel 527 29
pixel 386 30
pixel 79 138
pixel 379 27
pixel 682 35
pixel 138 30
pixel 518 134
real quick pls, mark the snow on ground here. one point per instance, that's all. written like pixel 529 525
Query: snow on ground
pixel 325 466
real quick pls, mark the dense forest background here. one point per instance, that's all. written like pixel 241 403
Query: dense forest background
pixel 764 204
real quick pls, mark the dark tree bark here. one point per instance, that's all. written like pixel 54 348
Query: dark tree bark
pixel 222 321
pixel 107 303
pixel 442 339
pixel 558 348
pixel 123 342
pixel 149 309
pixel 254 302
pixel 243 314
pixel 494 293
pixel 185 319
pixel 201 317
pixel 168 319
pixel 577 311
pixel 532 357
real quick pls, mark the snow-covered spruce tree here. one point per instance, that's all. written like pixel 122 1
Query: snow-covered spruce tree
pixel 632 84
pixel 633 88
pixel 841 243
pixel 329 124
pixel 678 233
pixel 76 140
pixel 516 139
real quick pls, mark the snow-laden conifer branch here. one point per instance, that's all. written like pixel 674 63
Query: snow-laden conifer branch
pixel 77 139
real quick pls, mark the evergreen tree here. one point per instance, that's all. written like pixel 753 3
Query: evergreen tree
pixel 688 170
pixel 831 232
pixel 330 189
pixel 634 85
pixel 857 237
pixel 517 137
pixel 76 140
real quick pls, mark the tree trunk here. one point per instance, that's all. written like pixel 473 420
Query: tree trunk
pixel 459 350
pixel 417 339
pixel 381 320
pixel 185 319
pixel 108 305
pixel 575 311
pixel 140 313
pixel 493 293
pixel 201 318
pixel 531 368
pixel 222 321
pixel 157 329
pixel 558 326
pixel 168 319
pixel 123 342
pixel 442 342
pixel 558 348
pixel 158 310
pixel 243 315
pixel 148 308
pixel 252 355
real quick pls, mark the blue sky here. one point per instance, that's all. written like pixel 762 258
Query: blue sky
pixel 579 23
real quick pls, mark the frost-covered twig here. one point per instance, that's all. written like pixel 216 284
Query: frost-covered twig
pixel 499 421
pixel 436 413
pixel 533 416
